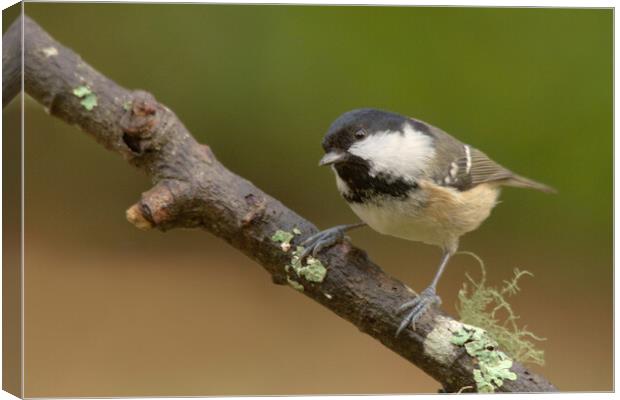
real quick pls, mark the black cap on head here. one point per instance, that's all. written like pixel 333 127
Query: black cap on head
pixel 345 130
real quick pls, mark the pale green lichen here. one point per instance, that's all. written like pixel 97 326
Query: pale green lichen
pixel 494 365
pixel 313 271
pixel 81 91
pixel 89 102
pixel 127 105
pixel 482 306
pixel 294 284
pixel 89 99
pixel 284 238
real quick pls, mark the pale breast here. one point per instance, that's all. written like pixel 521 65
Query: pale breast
pixel 433 214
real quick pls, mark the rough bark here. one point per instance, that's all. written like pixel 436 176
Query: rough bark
pixel 193 190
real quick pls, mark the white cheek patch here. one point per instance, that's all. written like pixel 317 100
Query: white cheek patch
pixel 396 153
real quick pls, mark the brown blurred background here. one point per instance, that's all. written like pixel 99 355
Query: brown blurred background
pixel 113 311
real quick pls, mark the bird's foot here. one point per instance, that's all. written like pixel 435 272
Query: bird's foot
pixel 418 306
pixel 322 240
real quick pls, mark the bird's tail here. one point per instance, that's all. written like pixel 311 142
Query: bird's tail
pixel 522 182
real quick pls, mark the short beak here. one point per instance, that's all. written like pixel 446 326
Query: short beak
pixel 331 158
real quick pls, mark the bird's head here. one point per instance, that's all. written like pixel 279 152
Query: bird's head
pixel 383 142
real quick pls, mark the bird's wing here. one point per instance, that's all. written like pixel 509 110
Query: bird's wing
pixel 475 167
pixel 469 168
pixel 463 167
pixel 482 169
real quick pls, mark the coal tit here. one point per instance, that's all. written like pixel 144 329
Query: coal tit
pixel 406 178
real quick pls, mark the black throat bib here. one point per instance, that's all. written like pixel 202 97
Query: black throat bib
pixel 363 187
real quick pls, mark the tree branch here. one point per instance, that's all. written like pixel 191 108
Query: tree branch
pixel 193 190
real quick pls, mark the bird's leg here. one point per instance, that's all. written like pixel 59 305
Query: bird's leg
pixel 424 300
pixel 327 238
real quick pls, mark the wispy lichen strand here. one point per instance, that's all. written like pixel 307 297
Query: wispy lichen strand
pixel 482 306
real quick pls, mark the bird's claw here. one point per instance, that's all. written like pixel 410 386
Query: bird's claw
pixel 418 306
pixel 322 240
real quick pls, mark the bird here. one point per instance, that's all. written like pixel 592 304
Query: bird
pixel 406 178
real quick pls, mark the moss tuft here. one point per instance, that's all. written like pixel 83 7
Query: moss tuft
pixel 481 306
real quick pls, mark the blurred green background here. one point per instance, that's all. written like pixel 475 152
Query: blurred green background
pixel 114 311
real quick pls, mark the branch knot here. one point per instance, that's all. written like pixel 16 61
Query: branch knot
pixel 159 207
pixel 139 121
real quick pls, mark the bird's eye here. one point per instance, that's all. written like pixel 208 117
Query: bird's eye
pixel 360 134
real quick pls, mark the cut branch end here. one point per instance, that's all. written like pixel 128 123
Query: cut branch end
pixel 134 216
